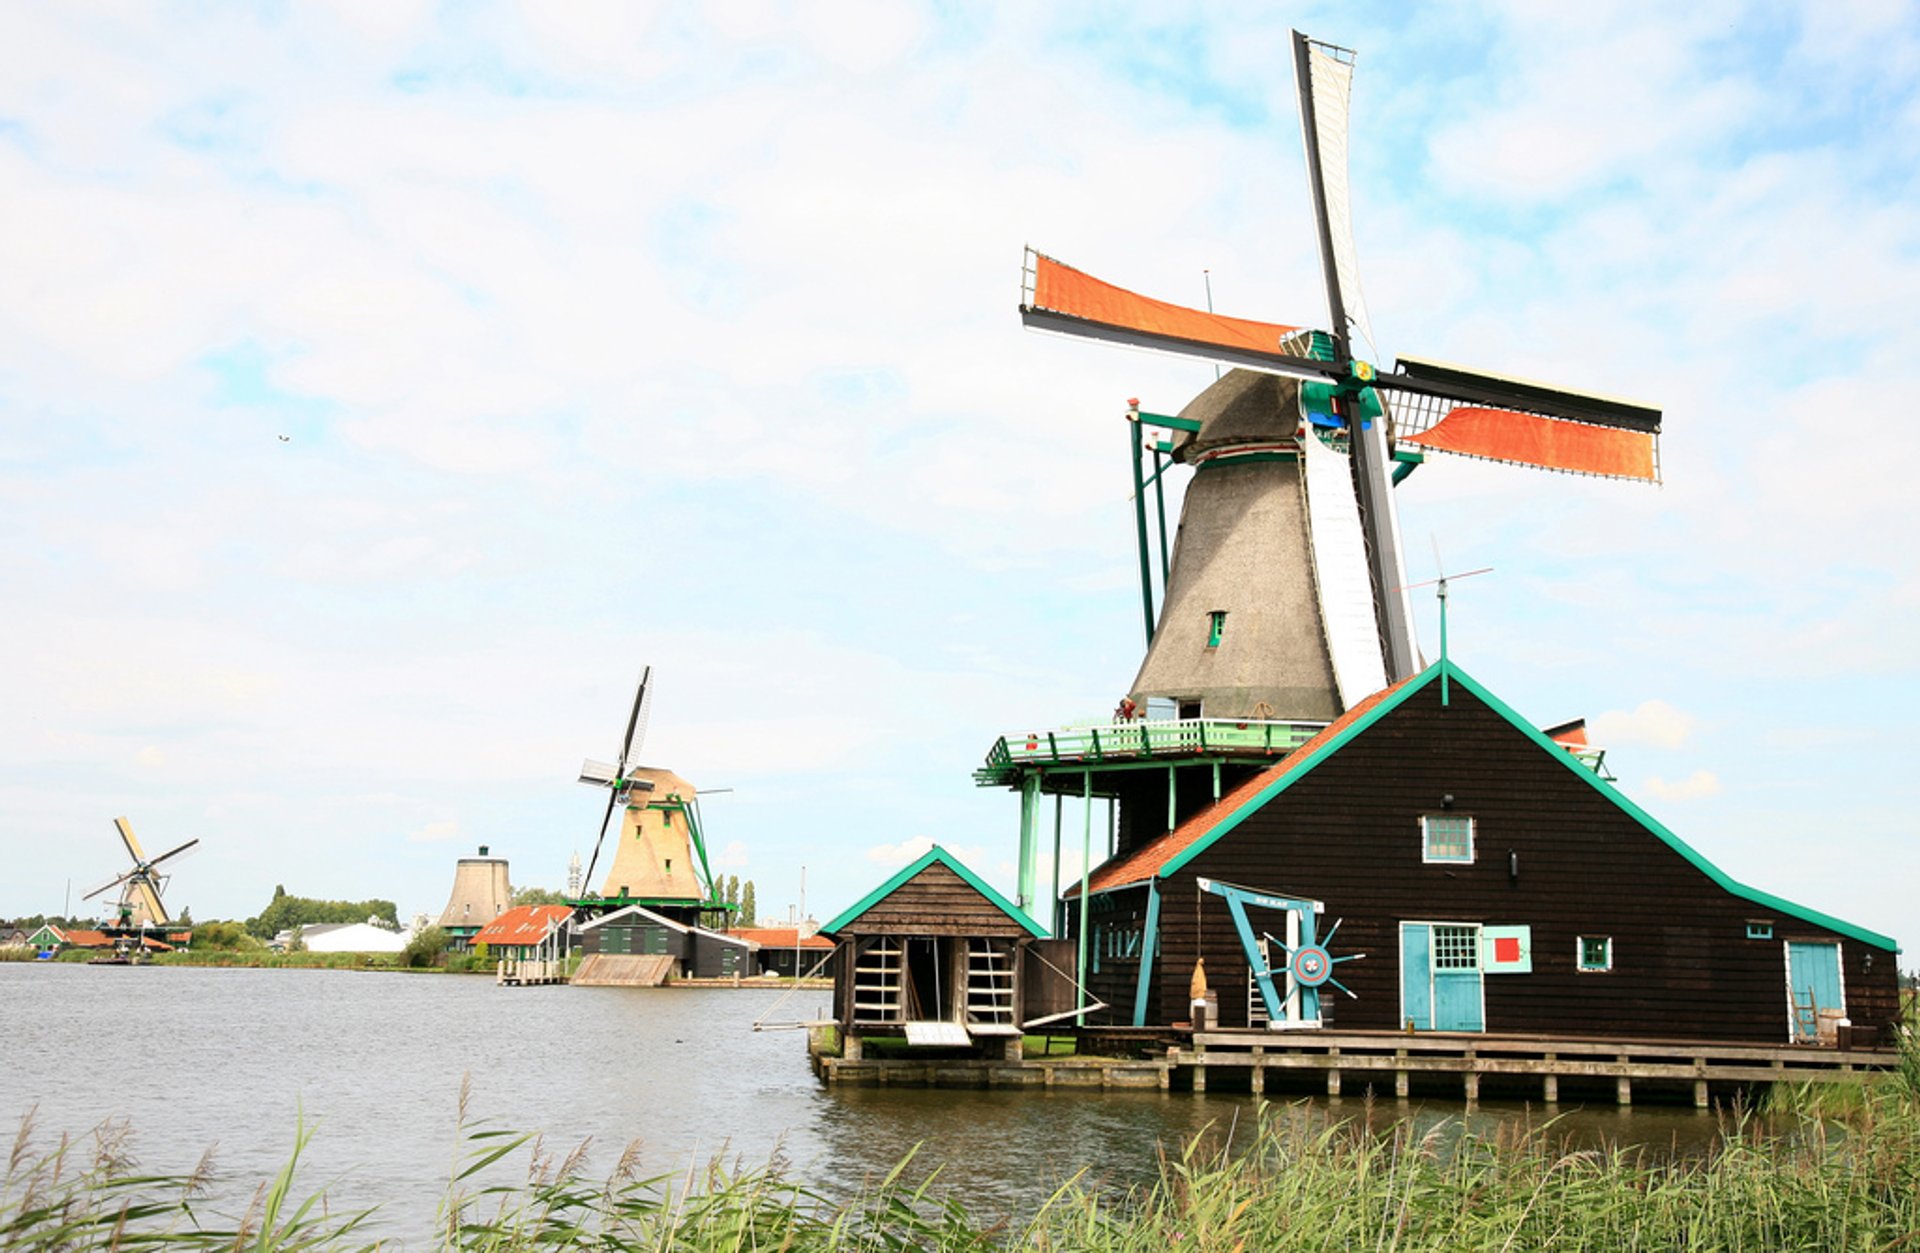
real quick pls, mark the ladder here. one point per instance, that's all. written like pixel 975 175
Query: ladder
pixel 1256 1003
pixel 876 983
pixel 1806 1016
pixel 989 984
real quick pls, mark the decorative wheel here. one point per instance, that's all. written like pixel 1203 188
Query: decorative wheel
pixel 1312 965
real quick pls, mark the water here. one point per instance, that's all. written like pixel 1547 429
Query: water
pixel 235 1059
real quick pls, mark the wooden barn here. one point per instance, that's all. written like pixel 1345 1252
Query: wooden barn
pixel 935 958
pixel 1481 877
pixel 634 946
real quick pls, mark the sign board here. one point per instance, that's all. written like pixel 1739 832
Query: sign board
pixel 1506 950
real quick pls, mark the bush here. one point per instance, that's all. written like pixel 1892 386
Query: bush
pixel 425 949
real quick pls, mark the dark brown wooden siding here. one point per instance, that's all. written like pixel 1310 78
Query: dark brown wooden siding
pixel 935 902
pixel 1347 834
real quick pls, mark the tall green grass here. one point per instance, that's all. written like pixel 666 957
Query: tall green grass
pixel 1785 1178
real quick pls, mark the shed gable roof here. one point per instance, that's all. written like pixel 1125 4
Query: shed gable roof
pixel 939 855
pixel 1169 853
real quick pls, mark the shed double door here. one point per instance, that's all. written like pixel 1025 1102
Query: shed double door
pixel 1440 976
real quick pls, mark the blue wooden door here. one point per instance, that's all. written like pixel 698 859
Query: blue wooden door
pixel 1416 975
pixel 1456 978
pixel 1813 972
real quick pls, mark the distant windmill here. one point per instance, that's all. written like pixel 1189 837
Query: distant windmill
pixel 1286 589
pixel 140 902
pixel 660 856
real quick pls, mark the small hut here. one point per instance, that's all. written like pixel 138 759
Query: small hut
pixel 481 893
pixel 530 943
pixel 937 958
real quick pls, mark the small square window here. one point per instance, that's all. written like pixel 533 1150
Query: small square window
pixel 1596 952
pixel 1759 931
pixel 1216 627
pixel 1446 837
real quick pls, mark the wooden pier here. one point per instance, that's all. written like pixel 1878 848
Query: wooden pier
pixel 1455 1066
pixel 521 972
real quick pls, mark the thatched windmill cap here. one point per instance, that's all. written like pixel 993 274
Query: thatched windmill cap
pixel 1242 407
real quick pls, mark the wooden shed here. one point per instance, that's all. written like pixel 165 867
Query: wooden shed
pixel 935 957
pixel 1483 878
pixel 685 950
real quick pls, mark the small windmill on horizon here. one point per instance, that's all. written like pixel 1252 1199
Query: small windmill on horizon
pixel 1286 593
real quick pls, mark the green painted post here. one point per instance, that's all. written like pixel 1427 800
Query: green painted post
pixel 1086 876
pixel 1029 798
pixel 1059 806
pixel 1173 797
pixel 1149 940
pixel 1140 521
pixel 1160 502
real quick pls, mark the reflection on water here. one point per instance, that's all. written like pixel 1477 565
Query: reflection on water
pixel 193 1057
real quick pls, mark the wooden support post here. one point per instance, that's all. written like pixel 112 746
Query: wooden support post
pixel 1623 1086
pixel 1402 1082
pixel 1473 1086
pixel 1199 1067
pixel 1700 1094
pixel 1333 1083
pixel 1551 1089
pixel 1259 1079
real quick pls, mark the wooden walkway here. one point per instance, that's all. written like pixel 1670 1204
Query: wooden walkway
pixel 1377 1058
pixel 1446 1064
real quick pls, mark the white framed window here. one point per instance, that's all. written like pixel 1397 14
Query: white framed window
pixel 1595 953
pixel 1446 837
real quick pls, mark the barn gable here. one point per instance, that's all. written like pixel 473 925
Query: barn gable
pixel 1169 854
pixel 1570 908
pixel 936 895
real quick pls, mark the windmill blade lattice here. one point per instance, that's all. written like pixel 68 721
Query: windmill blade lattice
pixel 615 777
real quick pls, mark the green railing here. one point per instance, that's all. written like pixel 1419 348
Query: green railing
pixel 1136 741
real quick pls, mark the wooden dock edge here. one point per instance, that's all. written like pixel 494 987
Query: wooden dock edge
pixel 1679 1067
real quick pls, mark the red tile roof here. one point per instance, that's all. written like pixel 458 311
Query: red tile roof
pixel 88 939
pixel 779 937
pixel 1145 862
pixel 523 924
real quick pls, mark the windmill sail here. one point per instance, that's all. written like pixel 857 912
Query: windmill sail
pixel 1340 571
pixel 1326 84
pixel 1057 297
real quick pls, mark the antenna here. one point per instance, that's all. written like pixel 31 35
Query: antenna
pixel 1206 276
pixel 1440 590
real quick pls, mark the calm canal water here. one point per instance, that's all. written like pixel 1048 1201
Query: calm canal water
pixel 193 1058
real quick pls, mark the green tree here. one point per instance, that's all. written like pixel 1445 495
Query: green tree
pixel 538 896
pixel 733 889
pixel 297 911
pixel 424 949
pixel 747 916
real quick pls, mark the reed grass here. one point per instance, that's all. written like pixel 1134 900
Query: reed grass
pixel 1784 1177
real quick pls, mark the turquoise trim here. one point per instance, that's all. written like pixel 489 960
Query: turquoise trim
pixel 1456 675
pixel 932 855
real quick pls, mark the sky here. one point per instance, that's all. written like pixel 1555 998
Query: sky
pixel 382 385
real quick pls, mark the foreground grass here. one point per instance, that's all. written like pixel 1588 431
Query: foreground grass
pixel 1783 1179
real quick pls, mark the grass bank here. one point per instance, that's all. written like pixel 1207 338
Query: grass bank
pixel 1784 1178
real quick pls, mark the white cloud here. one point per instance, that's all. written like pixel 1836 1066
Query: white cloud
pixel 1653 722
pixel 894 855
pixel 732 857
pixel 1699 784
pixel 436 832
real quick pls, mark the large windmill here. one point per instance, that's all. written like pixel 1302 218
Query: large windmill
pixel 1286 592
pixel 660 855
pixel 139 904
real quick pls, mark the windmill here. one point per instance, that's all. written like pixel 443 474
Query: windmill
pixel 139 904
pixel 660 857
pixel 1293 520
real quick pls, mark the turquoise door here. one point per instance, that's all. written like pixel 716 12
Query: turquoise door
pixel 1440 977
pixel 1813 974
pixel 1416 976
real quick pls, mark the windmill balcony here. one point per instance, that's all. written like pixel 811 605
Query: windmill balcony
pixel 1162 741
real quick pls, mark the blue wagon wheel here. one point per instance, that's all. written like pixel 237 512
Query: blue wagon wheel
pixel 1312 965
